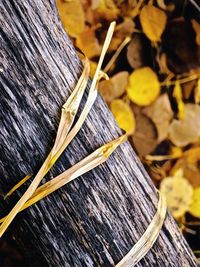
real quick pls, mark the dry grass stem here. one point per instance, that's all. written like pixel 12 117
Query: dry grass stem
pixel 147 240
pixel 90 162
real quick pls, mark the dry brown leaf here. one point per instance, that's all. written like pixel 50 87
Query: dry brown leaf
pixel 72 16
pixel 135 52
pixel 153 21
pixel 161 114
pixel 115 87
pixel 88 43
pixel 162 61
pixel 186 131
pixel 145 136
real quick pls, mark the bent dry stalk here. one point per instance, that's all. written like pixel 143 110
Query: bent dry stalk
pixel 149 237
pixel 96 158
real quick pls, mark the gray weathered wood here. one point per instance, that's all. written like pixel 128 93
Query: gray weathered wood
pixel 96 219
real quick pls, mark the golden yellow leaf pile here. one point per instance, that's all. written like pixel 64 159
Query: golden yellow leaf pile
pixel 153 91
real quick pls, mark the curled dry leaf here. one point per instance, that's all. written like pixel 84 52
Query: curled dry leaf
pixel 115 87
pixel 153 21
pixel 72 16
pixel 195 205
pixel 143 86
pixel 123 115
pixel 178 192
pixel 186 131
pixel 161 114
pixel 145 136
pixel 135 52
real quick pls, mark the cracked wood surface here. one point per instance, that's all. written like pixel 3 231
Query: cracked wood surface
pixel 96 219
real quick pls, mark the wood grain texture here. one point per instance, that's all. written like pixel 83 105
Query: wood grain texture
pixel 96 219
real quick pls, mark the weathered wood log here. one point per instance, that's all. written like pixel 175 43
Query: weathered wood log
pixel 96 219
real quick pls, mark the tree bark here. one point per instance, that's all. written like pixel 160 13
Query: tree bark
pixel 96 219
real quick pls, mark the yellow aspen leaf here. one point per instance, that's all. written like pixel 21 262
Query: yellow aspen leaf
pixel 72 16
pixel 196 27
pixel 178 192
pixel 195 206
pixel 123 115
pixel 143 86
pixel 88 43
pixel 153 21
pixel 177 94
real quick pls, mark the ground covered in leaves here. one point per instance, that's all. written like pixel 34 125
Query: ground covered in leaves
pixel 153 92
pixel 154 88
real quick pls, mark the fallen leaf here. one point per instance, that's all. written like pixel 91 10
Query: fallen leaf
pixel 123 30
pixel 72 16
pixel 115 87
pixel 162 61
pixel 135 52
pixel 153 21
pixel 136 10
pixel 197 93
pixel 123 115
pixel 145 136
pixel 178 192
pixel 196 27
pixel 161 114
pixel 177 94
pixel 161 4
pixel 186 131
pixel 190 165
pixel 143 86
pixel 106 10
pixel 195 206
pixel 88 43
